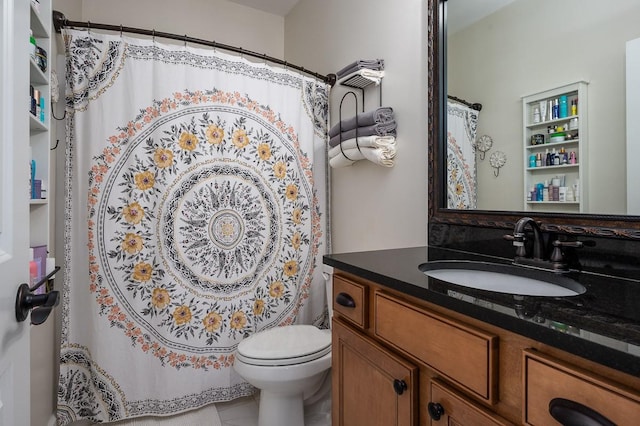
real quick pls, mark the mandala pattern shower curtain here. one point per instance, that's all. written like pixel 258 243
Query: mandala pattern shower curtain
pixel 194 217
pixel 462 125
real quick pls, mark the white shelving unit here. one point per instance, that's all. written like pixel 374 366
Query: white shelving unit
pixel 39 133
pixel 575 128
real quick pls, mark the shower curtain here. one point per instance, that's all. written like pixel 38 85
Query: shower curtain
pixel 195 216
pixel 462 123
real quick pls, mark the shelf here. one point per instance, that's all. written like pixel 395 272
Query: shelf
pixel 37 76
pixel 547 168
pixel 573 175
pixel 543 124
pixel 553 144
pixel 554 202
pixel 38 202
pixel 36 125
pixel 40 30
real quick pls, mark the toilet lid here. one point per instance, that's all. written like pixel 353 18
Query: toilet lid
pixel 291 344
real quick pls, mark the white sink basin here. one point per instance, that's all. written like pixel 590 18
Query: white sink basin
pixel 502 278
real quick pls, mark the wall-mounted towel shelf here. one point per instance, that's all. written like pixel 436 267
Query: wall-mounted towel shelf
pixel 362 79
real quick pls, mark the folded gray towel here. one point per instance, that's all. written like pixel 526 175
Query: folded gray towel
pixel 378 115
pixel 372 64
pixel 378 129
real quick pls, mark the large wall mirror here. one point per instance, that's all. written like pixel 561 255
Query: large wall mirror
pixel 518 59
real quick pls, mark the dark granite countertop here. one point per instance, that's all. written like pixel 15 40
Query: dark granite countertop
pixel 602 325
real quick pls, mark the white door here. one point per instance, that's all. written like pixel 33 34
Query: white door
pixel 14 210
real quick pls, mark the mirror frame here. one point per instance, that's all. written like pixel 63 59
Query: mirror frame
pixel 614 226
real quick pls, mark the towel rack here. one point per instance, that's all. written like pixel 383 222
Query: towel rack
pixel 358 81
pixel 356 117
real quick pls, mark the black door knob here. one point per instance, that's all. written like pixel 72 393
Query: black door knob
pixel 435 410
pixel 399 386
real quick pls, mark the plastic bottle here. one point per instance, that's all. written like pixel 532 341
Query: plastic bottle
pixel 32 41
pixel 556 109
pixel 532 160
pixel 564 112
pixel 33 269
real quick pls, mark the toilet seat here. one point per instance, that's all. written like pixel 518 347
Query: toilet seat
pixel 287 345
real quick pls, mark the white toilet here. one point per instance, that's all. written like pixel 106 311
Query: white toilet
pixel 289 364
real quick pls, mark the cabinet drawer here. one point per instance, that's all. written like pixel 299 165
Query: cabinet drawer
pixel 464 354
pixel 350 301
pixel 547 379
pixel 448 407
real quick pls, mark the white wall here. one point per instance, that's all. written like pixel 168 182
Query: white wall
pixel 373 207
pixel 543 44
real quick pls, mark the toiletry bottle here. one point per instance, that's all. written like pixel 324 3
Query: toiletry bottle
pixel 574 108
pixel 545 191
pixel 548 161
pixel 32 46
pixel 550 110
pixel 33 269
pixel 539 160
pixel 564 157
pixel 543 110
pixel 532 160
pixel 536 115
pixel 576 190
pixel 563 111
pixel 572 157
pixel 42 109
pixel 539 191
pixel 556 109
pixel 556 157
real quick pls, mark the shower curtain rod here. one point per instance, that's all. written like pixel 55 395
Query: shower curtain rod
pixel 471 105
pixel 60 21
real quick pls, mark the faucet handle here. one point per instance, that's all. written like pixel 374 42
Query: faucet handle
pixel 518 239
pixel 558 257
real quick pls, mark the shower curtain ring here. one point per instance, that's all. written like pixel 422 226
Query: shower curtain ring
pixel 185 40
pixel 89 27
pixel 153 35
pixel 120 30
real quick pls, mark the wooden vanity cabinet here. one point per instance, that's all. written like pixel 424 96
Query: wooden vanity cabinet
pixel 399 360
pixel 371 385
pixel 573 390
pixel 448 407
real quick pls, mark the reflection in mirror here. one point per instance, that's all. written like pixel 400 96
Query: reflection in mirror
pixel 513 57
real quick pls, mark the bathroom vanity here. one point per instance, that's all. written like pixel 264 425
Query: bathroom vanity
pixel 413 350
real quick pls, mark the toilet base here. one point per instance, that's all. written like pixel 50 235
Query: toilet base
pixel 280 410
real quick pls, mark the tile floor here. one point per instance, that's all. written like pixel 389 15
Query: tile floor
pixel 244 412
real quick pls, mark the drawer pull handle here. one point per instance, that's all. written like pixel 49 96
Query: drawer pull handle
pixel 571 413
pixel 435 410
pixel 343 299
pixel 399 386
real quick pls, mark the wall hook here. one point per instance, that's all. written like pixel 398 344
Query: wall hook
pixel 497 160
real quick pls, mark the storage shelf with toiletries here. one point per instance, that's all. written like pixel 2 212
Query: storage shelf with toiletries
pixel 39 122
pixel 555 136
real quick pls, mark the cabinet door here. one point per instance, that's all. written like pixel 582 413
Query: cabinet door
pixel 371 385
pixel 448 407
